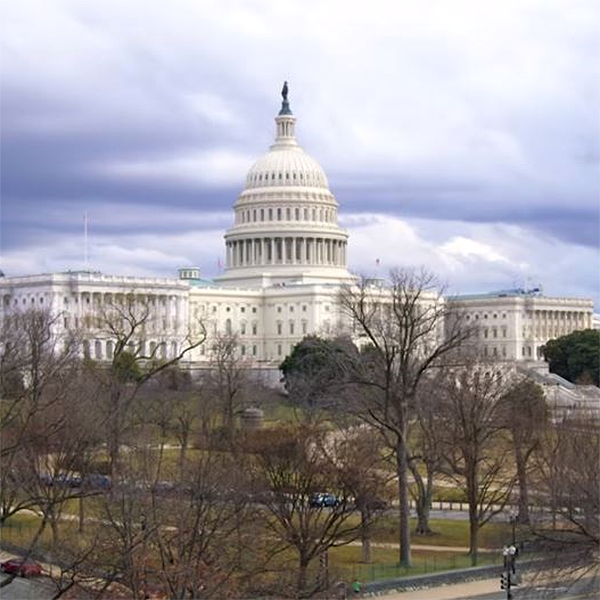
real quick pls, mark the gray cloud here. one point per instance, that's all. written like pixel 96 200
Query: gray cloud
pixel 468 112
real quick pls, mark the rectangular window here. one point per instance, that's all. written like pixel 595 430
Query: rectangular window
pixel 279 214
pixel 304 327
pixel 270 214
pixel 279 349
pixel 254 328
pixel 278 328
pixel 291 328
pixel 253 350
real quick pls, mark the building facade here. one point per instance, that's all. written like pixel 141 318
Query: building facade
pixel 515 324
pixel 286 261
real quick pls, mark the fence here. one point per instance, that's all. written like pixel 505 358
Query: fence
pixel 422 564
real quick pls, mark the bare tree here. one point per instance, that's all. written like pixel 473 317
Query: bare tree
pixel 127 321
pixel 524 414
pixel 228 380
pixel 401 324
pixel 478 459
pixel 426 454
pixel 359 458
pixel 569 478
pixel 291 470
pixel 37 369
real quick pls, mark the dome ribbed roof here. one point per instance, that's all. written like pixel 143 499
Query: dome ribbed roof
pixel 286 166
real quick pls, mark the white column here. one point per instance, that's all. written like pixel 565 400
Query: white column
pixel 293 242
pixel 272 251
pixel 303 250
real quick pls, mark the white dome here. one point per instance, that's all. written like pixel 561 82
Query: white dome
pixel 286 166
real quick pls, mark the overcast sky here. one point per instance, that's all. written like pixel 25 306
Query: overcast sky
pixel 463 136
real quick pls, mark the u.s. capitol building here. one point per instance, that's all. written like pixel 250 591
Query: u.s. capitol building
pixel 286 261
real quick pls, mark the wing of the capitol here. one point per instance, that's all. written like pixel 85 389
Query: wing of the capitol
pixel 286 259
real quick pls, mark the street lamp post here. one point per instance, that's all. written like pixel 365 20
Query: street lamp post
pixel 513 521
pixel 509 556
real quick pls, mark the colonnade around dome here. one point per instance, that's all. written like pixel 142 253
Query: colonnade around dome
pixel 289 250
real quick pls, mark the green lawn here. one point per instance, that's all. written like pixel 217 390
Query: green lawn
pixel 447 532
pixel 345 563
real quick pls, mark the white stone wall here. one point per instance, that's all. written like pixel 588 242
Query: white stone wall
pixel 267 321
pixel 516 327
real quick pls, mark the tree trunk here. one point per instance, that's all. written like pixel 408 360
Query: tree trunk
pixel 523 487
pixel 473 538
pixel 301 584
pixel 423 506
pixel 81 515
pixel 473 518
pixel 183 451
pixel 404 522
pixel 365 534
pixel 54 526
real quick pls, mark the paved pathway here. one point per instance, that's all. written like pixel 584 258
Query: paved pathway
pixel 456 591
pixel 433 548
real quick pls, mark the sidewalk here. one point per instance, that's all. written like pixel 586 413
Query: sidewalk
pixel 432 548
pixel 456 591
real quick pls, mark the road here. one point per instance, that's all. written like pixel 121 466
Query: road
pixel 33 588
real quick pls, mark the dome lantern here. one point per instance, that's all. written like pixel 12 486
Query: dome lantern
pixel 286 122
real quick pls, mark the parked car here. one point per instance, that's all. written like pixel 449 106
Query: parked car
pixel 60 479
pixel 24 568
pixel 323 500
pixel 97 481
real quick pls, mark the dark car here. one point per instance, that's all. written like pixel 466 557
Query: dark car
pixel 97 481
pixel 24 568
pixel 60 479
pixel 323 500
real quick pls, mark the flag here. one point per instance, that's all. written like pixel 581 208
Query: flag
pixel 377 261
